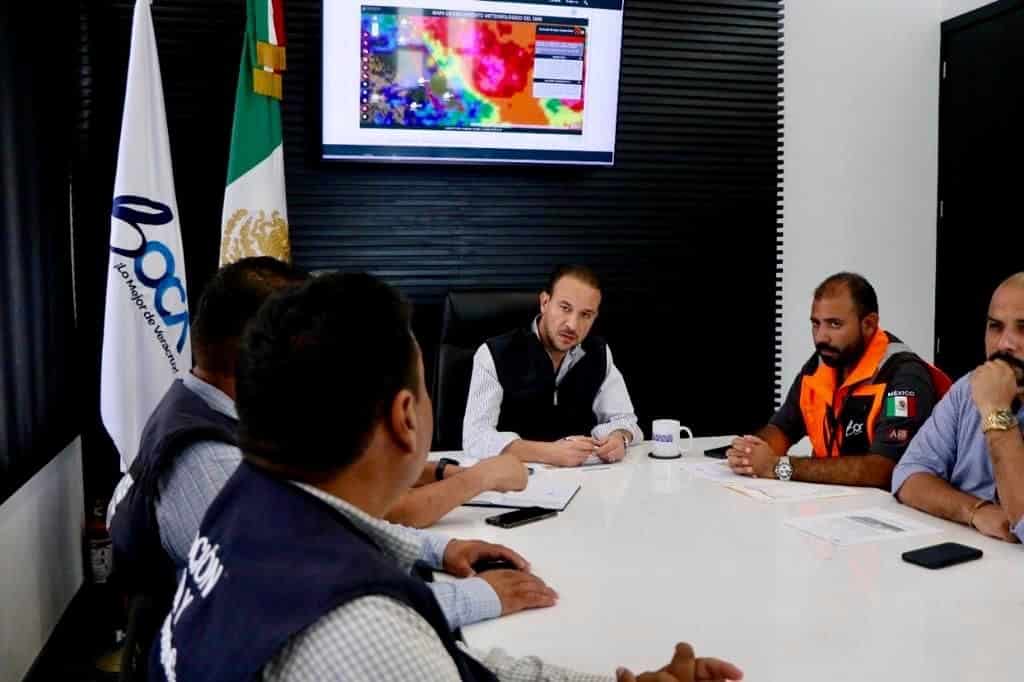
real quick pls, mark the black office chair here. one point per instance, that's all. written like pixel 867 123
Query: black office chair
pixel 470 318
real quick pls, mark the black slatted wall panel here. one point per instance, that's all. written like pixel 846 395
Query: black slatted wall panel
pixel 683 227
pixel 38 380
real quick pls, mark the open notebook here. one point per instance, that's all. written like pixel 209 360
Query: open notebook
pixel 542 490
pixel 549 492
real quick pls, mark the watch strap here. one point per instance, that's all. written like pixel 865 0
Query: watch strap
pixel 1000 420
pixel 441 464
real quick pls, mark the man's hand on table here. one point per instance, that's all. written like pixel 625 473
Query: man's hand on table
pixel 685 667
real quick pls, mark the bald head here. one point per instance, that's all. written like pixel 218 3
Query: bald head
pixel 1016 281
pixel 1004 332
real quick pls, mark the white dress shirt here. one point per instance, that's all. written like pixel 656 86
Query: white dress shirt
pixel 480 436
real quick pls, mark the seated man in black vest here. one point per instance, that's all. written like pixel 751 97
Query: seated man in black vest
pixel 550 392
pixel 189 450
pixel 294 574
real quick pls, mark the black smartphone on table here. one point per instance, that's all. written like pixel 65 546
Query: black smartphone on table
pixel 520 516
pixel 942 555
pixel 717 453
pixel 482 565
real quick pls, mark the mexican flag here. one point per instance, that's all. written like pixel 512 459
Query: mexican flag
pixel 900 406
pixel 255 218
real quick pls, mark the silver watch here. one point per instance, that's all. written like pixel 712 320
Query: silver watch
pixel 783 469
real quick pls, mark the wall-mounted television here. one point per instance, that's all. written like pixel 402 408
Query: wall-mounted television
pixel 471 81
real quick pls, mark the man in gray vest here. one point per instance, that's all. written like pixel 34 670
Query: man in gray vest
pixel 189 450
pixel 550 392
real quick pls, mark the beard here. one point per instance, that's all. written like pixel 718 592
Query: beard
pixel 552 338
pixel 1016 364
pixel 842 358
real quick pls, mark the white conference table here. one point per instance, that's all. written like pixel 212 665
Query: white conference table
pixel 647 555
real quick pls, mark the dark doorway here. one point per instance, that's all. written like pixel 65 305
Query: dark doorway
pixel 981 174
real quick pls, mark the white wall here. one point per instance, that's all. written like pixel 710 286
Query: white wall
pixel 860 161
pixel 40 559
pixel 953 8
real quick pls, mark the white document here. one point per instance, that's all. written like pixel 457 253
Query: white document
pixel 764 490
pixel 463 460
pixel 788 491
pixel 713 471
pixel 856 527
pixel 545 488
pixel 592 462
pixel 549 492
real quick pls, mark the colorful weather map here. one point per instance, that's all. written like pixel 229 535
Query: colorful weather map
pixel 445 70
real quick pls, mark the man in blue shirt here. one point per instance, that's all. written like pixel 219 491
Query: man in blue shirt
pixel 966 464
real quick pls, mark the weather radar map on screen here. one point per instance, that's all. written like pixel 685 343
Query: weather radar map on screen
pixel 432 70
pixel 472 81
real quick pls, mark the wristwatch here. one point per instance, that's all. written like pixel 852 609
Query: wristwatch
pixel 783 469
pixel 999 420
pixel 441 464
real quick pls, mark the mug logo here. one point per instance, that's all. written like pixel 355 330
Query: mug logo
pixel 663 437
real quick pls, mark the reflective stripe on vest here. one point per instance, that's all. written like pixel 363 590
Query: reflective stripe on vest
pixel 821 403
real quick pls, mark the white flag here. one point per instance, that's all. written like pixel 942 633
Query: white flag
pixel 146 323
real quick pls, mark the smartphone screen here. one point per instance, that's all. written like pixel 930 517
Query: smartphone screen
pixel 520 516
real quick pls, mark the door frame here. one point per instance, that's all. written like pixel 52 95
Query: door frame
pixel 950 28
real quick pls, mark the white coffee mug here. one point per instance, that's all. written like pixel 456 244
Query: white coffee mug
pixel 665 439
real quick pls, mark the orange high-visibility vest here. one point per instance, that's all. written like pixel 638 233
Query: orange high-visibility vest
pixel 826 407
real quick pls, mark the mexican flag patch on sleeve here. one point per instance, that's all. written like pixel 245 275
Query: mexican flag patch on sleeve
pixel 904 405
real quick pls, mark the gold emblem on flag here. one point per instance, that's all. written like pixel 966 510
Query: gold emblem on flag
pixel 254 234
pixel 266 73
pixel 271 56
pixel 267 83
